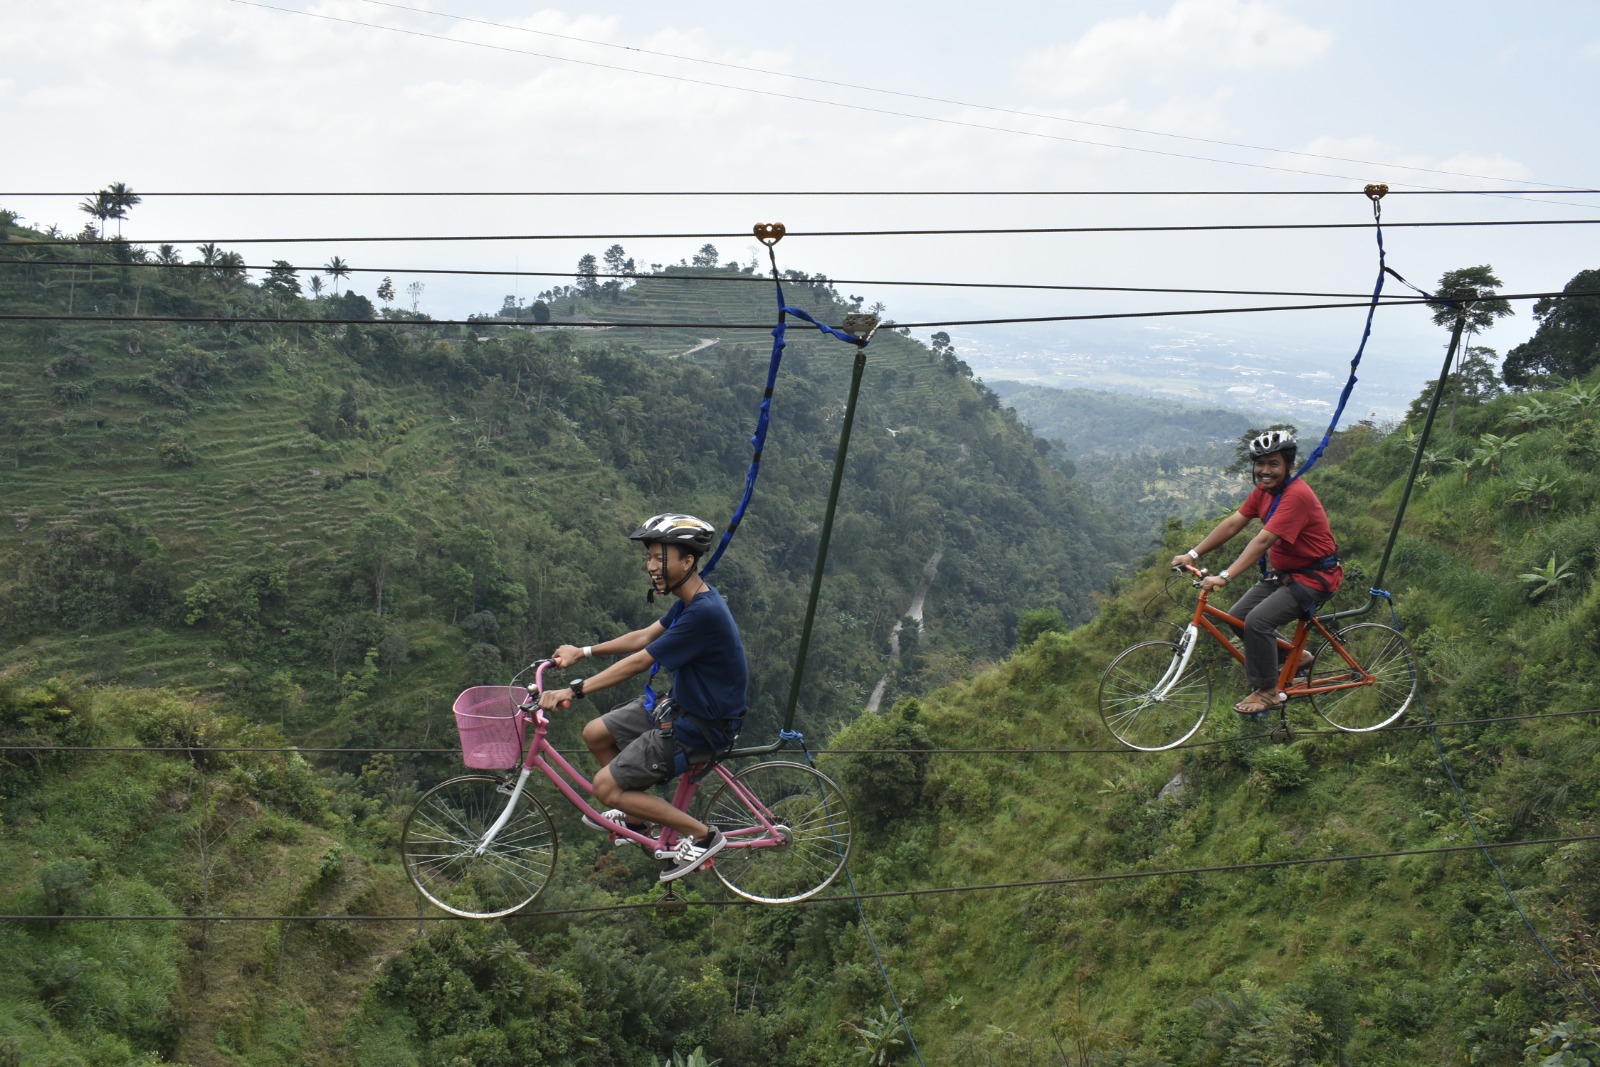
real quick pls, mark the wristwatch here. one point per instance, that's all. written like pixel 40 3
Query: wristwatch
pixel 576 685
pixel 1223 574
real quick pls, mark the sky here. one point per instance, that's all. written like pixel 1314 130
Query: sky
pixel 1194 96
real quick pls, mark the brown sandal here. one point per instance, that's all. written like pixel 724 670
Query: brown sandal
pixel 1258 703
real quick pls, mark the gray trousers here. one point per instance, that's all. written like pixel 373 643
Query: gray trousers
pixel 1265 607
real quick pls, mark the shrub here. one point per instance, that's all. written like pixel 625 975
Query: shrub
pixel 176 454
pixel 1279 767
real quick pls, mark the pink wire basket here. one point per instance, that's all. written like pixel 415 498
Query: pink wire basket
pixel 491 734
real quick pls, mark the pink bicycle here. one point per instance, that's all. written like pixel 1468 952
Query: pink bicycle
pixel 482 846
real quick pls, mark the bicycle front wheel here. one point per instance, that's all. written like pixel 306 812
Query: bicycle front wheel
pixel 1385 684
pixel 449 863
pixel 788 832
pixel 1147 704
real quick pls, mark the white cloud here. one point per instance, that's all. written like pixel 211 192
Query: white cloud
pixel 1194 39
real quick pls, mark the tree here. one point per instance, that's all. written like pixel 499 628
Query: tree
pixel 706 257
pixel 1566 344
pixel 1482 313
pixel 386 291
pixel 616 259
pixel 1477 380
pixel 414 291
pixel 316 287
pixel 230 271
pixel 282 282
pixel 101 207
pixel 338 268
pixel 588 268
pixel 122 199
pixel 382 542
pixel 1031 624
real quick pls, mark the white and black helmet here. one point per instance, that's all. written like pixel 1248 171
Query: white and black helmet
pixel 1272 441
pixel 692 534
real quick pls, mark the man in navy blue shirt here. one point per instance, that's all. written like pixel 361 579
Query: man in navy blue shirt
pixel 699 643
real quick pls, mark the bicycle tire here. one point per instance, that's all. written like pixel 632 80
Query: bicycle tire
pixel 1385 657
pixel 815 849
pixel 1136 715
pixel 440 840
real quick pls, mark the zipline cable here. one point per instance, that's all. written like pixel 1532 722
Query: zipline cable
pixel 852 193
pixel 728 279
pixel 524 324
pixel 1119 750
pixel 975 231
pixel 887 894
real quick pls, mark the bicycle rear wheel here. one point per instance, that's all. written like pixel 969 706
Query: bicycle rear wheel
pixel 1388 676
pixel 444 857
pixel 812 840
pixel 1146 705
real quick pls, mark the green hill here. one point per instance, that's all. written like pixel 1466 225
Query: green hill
pixel 1029 908
pixel 255 509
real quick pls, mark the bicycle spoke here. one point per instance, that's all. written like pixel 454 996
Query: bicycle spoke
pixel 1379 693
pixel 816 844
pixel 442 846
pixel 1146 704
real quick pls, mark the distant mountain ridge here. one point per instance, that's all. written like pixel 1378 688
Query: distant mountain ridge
pixel 1090 422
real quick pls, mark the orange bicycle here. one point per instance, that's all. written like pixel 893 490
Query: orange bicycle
pixel 1155 695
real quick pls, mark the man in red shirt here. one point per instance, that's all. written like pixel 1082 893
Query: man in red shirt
pixel 1300 551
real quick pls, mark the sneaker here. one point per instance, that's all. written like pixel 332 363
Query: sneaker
pixel 613 818
pixel 691 855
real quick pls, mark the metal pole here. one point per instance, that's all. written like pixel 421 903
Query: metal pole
pixel 1464 299
pixel 822 556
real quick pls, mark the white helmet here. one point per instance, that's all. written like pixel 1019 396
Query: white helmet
pixel 1272 441
pixel 694 535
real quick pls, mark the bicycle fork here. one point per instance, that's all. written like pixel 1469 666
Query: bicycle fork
pixel 505 816
pixel 1179 664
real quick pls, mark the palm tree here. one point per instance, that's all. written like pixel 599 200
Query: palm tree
pixel 316 287
pixel 100 206
pixel 339 269
pixel 122 198
pixel 230 271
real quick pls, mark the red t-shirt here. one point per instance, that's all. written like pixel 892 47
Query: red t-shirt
pixel 1303 532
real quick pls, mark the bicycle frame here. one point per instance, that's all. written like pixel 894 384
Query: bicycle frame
pixel 541 756
pixel 1204 613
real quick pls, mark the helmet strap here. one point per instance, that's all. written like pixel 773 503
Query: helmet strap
pixel 650 597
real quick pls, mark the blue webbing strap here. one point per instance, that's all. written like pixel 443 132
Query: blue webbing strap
pixel 758 444
pixel 1349 386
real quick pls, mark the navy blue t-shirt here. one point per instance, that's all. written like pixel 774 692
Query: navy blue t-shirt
pixel 710 676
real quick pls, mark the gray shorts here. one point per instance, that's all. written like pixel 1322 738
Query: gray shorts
pixel 648 753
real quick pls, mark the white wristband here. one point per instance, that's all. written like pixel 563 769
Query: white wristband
pixel 588 650
pixel 1193 554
